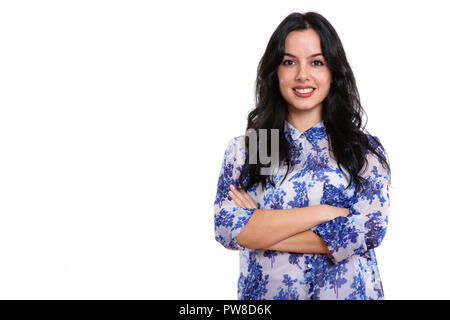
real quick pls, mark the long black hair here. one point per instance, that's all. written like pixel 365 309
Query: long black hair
pixel 342 112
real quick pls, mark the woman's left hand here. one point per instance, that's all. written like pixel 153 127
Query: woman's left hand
pixel 241 198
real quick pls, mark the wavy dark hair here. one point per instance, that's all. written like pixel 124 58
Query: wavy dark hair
pixel 342 112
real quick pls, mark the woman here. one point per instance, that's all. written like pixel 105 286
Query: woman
pixel 309 230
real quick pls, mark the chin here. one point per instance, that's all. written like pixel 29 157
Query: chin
pixel 304 107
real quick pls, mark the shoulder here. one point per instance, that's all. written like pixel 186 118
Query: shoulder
pixel 373 159
pixel 375 144
pixel 374 141
pixel 235 150
pixel 235 142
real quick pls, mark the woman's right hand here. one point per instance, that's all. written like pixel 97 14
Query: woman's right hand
pixel 334 212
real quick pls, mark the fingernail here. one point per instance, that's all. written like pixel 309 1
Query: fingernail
pixel 231 186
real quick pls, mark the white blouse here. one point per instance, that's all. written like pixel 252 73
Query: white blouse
pixel 350 271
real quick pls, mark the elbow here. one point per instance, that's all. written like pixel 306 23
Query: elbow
pixel 375 237
pixel 373 243
pixel 226 241
pixel 225 238
pixel 230 229
pixel 222 231
pixel 375 227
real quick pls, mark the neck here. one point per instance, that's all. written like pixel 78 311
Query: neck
pixel 302 120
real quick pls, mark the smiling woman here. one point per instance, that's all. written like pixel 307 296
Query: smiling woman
pixel 307 231
pixel 304 75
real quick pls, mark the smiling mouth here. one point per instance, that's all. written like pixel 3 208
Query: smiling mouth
pixel 304 93
pixel 308 90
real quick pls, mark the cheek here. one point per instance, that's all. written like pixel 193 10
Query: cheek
pixel 283 81
pixel 283 78
pixel 324 79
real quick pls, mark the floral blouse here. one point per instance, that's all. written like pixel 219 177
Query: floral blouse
pixel 350 271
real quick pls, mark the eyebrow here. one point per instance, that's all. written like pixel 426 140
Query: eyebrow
pixel 311 56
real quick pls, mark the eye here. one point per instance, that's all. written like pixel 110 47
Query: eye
pixel 287 64
pixel 317 63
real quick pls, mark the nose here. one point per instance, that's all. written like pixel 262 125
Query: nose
pixel 302 73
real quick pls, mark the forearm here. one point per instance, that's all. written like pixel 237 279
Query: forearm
pixel 303 242
pixel 268 227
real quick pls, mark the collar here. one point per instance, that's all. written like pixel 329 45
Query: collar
pixel 313 134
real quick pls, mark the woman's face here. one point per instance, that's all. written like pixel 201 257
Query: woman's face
pixel 304 68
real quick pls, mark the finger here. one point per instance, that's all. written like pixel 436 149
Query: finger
pixel 249 199
pixel 236 199
pixel 239 196
pixel 249 203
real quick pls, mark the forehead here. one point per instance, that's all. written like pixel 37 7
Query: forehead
pixel 303 42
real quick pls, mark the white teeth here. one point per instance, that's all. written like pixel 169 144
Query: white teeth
pixel 304 90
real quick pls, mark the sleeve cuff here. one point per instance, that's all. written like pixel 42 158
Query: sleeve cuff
pixel 341 237
pixel 243 215
pixel 233 221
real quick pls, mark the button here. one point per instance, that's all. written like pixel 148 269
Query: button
pixel 309 265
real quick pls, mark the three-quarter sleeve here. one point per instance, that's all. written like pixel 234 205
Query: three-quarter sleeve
pixel 365 226
pixel 229 219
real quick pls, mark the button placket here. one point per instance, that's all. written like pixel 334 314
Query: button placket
pixel 304 150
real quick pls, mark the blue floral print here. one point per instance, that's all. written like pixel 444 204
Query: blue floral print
pixel 350 271
pixel 252 286
pixel 288 292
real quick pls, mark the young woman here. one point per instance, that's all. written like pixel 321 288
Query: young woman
pixel 307 231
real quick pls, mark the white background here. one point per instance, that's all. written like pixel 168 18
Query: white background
pixel 114 117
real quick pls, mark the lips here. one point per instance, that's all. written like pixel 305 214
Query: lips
pixel 303 91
